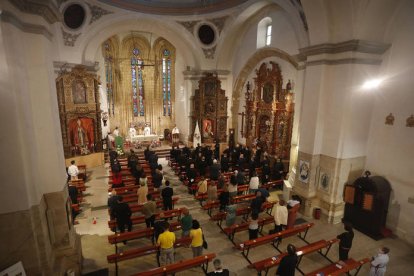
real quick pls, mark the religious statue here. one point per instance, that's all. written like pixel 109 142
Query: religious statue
pixel 207 129
pixel 196 136
pixel 132 131
pixel 175 135
pixel 80 136
pixel 147 130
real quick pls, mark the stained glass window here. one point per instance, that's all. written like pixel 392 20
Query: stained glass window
pixel 166 82
pixel 137 84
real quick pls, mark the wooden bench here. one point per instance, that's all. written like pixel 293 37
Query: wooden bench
pixel 242 198
pixel 266 264
pixel 180 266
pixel 143 251
pixel 272 184
pixel 273 239
pixel 135 207
pixel 236 228
pixel 210 205
pixel 141 219
pixel 138 234
pixel 336 269
pixel 220 216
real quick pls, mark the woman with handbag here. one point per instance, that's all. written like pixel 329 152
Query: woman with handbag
pixel 197 239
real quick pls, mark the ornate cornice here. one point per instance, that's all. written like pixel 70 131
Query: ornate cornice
pixel 25 27
pixel 189 25
pixel 45 9
pixel 63 67
pixel 97 12
pixel 355 45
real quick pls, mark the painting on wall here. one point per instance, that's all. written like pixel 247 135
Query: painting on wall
pixel 304 171
pixel 79 92
pixel 208 130
pixel 324 181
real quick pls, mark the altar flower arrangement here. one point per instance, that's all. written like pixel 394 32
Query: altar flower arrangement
pixel 119 151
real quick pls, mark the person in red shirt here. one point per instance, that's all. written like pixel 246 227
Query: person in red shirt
pixel 117 180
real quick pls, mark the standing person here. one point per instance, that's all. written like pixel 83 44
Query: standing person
pixel 196 235
pixel 116 132
pixel 148 209
pixel 211 192
pixel 233 186
pixel 142 191
pixel 288 263
pixel 379 262
pixel 224 198
pixel 215 170
pixel 112 201
pixel 202 186
pixel 73 171
pixel 166 242
pixel 218 269
pixel 345 242
pixel 256 204
pixel 122 213
pixel 157 179
pixel 186 223
pixel 281 216
pixel 254 226
pixel 254 183
pixel 167 194
pixel 117 179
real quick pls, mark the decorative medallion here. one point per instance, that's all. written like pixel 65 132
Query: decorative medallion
pixel 410 121
pixel 304 171
pixel 74 16
pixel 69 39
pixel 97 12
pixel 219 23
pixel 209 53
pixel 206 34
pixel 389 120
pixel 189 25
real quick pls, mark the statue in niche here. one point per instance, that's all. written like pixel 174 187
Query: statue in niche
pixel 82 134
pixel 208 129
pixel 79 92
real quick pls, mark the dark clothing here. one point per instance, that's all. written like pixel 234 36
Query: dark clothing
pixel 345 244
pixel 287 265
pixel 278 169
pixel 191 175
pixel 214 171
pixel 256 205
pixel 149 222
pixel 253 233
pixel 167 194
pixel 225 164
pixel 224 198
pixel 122 213
pixel 158 228
pixel 73 194
pixel 157 179
pixel 240 178
pixel 265 193
pixel 225 272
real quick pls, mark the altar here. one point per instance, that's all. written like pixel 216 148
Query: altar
pixel 144 138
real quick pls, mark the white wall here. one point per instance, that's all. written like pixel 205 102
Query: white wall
pixel 391 148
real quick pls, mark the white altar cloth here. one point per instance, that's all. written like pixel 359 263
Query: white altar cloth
pixel 144 138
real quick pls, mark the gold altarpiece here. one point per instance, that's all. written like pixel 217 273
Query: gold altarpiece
pixel 209 109
pixel 269 112
pixel 118 53
pixel 79 111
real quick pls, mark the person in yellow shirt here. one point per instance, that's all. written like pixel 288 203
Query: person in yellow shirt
pixel 196 235
pixel 166 242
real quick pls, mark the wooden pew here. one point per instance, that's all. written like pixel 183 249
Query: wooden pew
pixel 272 184
pixel 336 269
pixel 210 205
pixel 242 198
pixel 137 234
pixel 266 264
pixel 220 216
pixel 143 251
pixel 202 197
pixel 141 219
pixel 180 266
pixel 236 228
pixel 135 207
pixel 134 197
pixel 273 239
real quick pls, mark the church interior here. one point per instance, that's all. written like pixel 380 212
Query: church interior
pixel 310 97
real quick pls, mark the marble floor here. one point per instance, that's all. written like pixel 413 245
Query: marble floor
pixel 95 246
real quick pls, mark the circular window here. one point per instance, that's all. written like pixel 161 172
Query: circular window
pixel 206 34
pixel 74 16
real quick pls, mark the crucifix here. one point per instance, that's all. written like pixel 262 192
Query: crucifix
pixel 242 124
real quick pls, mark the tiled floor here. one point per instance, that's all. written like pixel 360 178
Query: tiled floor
pixel 95 246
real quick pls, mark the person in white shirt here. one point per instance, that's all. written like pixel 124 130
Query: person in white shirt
pixel 147 130
pixel 132 132
pixel 73 171
pixel 379 262
pixel 116 132
pixel 281 216
pixel 254 183
pixel 175 134
pixel 218 270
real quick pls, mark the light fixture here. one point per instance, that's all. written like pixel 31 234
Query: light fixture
pixel 371 84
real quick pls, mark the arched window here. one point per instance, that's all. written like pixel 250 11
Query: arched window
pixel 137 84
pixel 166 82
pixel 264 32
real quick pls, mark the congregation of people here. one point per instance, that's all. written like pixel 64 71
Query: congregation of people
pixel 196 167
